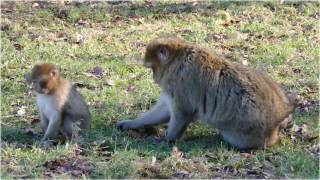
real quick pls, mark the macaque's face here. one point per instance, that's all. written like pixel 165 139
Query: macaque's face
pixel 151 59
pixel 156 58
pixel 44 78
pixel 160 53
pixel 40 85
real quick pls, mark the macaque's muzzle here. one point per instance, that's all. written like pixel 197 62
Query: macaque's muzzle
pixel 39 89
pixel 147 64
pixel 150 65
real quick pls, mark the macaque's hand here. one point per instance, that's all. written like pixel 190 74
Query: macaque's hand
pixel 126 124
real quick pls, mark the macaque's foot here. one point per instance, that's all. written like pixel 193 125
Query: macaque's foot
pixel 126 124
pixel 45 143
pixel 154 139
pixel 171 141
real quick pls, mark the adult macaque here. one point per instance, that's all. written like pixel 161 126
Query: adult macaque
pixel 245 106
pixel 60 105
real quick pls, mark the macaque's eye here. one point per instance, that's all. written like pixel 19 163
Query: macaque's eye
pixel 43 84
pixel 34 82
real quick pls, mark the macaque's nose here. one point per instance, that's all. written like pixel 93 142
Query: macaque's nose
pixel 37 88
pixel 147 64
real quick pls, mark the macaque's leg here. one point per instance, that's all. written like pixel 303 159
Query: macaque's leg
pixel 177 125
pixel 43 122
pixel 158 114
pixel 273 138
pixel 67 128
pixel 53 127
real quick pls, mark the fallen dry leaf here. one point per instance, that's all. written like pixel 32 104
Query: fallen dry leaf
pixel 172 167
pixel 5 27
pixel 246 155
pixel 131 88
pixel 314 149
pixel 82 85
pixel 182 174
pixel 79 39
pixel 81 23
pixel 35 121
pixel 312 89
pixel 35 5
pixel 153 160
pixel 296 70
pixel 5 24
pixel 110 82
pixel 77 166
pixel 62 12
pixel 299 129
pixel 18 46
pixel 98 104
pixel 21 111
pixel 150 3
pixel 245 62
pixel 30 131
pixel 176 153
pixel 16 145
pixel 301 132
pixel 97 71
pixel 61 35
pixel 116 19
pixel 89 74
pixel 213 37
pixel 34 36
pixel 104 149
pixel 307 105
pixel 138 19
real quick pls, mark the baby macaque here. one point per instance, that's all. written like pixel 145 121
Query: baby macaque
pixel 247 108
pixel 60 105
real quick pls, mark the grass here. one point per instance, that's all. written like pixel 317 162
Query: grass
pixel 279 39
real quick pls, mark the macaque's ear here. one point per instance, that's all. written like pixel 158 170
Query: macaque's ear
pixel 163 54
pixel 54 72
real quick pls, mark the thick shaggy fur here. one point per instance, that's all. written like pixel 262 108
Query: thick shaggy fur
pixel 245 106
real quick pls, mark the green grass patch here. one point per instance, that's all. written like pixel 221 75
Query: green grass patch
pixel 279 39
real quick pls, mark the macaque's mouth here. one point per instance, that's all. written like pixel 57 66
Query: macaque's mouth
pixel 42 91
pixel 147 64
pixel 153 69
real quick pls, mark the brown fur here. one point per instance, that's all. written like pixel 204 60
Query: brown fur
pixel 244 105
pixel 42 73
pixel 59 103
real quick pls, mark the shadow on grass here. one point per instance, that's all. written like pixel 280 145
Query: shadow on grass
pixel 121 141
pixel 21 138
